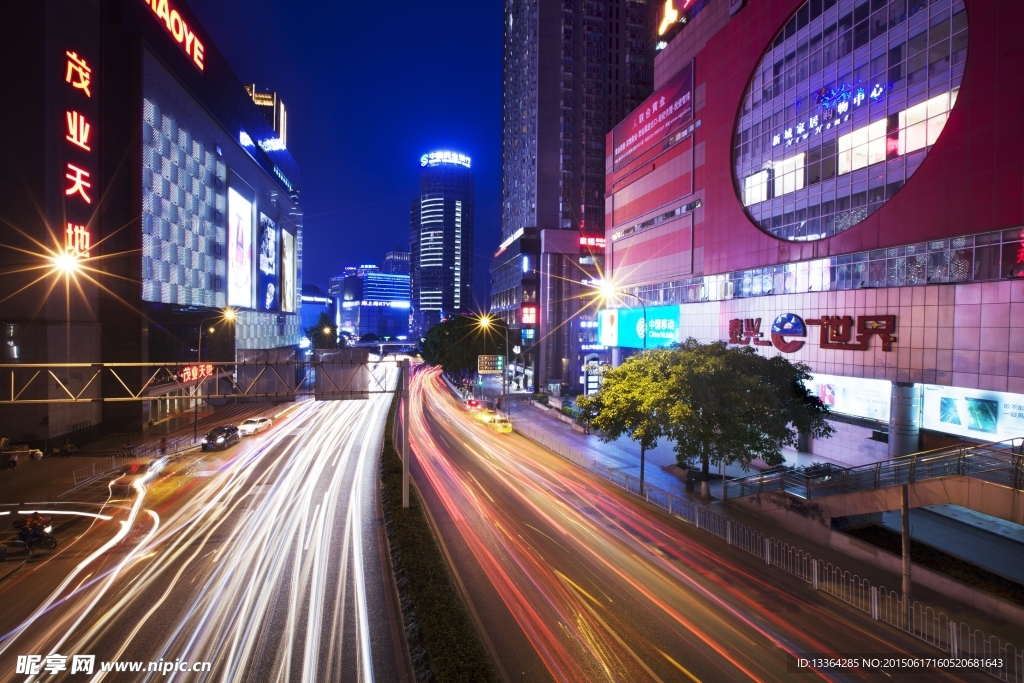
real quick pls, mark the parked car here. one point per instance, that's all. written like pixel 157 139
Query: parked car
pixel 255 425
pixel 222 437
pixel 501 425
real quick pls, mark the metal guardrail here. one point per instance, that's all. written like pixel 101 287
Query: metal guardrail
pixel 89 471
pixel 999 463
pixel 929 625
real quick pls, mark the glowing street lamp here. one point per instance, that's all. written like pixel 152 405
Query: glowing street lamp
pixel 608 293
pixel 228 314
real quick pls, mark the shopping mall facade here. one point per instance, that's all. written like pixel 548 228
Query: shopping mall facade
pixel 841 183
pixel 135 151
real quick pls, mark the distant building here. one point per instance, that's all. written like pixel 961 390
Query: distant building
pixel 273 110
pixel 377 303
pixel 314 302
pixel 572 71
pixel 441 239
pixel 396 263
pixel 336 285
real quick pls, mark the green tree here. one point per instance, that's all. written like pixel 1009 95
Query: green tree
pixel 735 406
pixel 454 344
pixel 323 335
pixel 631 402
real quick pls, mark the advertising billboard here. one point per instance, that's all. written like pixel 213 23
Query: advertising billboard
pixel 287 272
pixel 239 250
pixel 663 112
pixel 867 398
pixel 268 293
pixel 625 328
pixel 977 414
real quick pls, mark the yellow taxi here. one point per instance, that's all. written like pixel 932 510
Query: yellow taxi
pixel 501 425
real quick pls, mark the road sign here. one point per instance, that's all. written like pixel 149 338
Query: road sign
pixel 490 365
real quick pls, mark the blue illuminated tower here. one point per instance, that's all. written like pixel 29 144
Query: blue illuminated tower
pixel 441 239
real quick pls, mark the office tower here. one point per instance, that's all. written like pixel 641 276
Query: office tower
pixel 572 70
pixel 441 239
pixel 374 302
pixel 396 263
pixel 273 110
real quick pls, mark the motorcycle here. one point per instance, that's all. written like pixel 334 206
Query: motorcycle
pixel 35 534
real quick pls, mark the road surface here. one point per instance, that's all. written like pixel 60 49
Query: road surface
pixel 262 561
pixel 571 579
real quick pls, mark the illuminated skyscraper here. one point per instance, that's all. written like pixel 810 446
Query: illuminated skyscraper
pixel 572 70
pixel 441 239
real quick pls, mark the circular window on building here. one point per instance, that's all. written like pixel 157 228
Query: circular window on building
pixel 843 108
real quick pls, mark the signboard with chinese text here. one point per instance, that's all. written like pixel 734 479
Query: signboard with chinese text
pixel 79 145
pixel 836 332
pixel 490 365
pixel 239 250
pixel 974 413
pixel 666 110
pixel 626 328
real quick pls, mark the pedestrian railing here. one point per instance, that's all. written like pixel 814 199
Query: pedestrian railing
pixel 126 456
pixel 933 627
pixel 1000 463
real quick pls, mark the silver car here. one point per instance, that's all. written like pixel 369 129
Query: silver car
pixel 255 425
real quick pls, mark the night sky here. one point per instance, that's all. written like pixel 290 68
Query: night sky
pixel 369 88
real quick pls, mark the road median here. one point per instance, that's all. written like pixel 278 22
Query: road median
pixel 444 645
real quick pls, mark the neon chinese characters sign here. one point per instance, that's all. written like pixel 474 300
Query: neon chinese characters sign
pixel 179 30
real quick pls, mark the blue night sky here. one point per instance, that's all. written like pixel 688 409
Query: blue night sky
pixel 369 87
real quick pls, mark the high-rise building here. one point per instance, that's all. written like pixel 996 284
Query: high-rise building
pixel 396 263
pixel 374 302
pixel 441 239
pixel 572 70
pixel 273 110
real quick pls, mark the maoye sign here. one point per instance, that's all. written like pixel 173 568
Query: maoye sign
pixel 177 27
pixel 836 332
pixel 662 113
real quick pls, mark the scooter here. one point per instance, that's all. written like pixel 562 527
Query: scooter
pixel 35 534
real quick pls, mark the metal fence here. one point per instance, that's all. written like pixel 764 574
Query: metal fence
pixel 957 639
pixel 125 456
pixel 1000 463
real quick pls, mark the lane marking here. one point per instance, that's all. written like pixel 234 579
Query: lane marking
pixel 679 666
pixel 312 526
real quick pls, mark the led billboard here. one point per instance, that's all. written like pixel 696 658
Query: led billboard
pixel 663 112
pixel 239 250
pixel 977 414
pixel 867 398
pixel 625 327
pixel 287 272
pixel 268 293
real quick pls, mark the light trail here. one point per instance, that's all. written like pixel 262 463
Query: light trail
pixel 558 546
pixel 260 570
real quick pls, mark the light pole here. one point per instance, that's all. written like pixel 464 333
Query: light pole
pixel 228 315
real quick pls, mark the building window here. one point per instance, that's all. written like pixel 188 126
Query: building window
pixel 812 122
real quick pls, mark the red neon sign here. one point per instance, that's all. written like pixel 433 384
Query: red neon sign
pixel 592 242
pixel 529 315
pixel 194 373
pixel 179 30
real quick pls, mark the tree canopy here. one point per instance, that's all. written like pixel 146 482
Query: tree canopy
pixel 323 335
pixel 717 404
pixel 455 343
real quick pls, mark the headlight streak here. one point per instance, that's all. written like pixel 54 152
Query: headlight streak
pixel 659 560
pixel 228 614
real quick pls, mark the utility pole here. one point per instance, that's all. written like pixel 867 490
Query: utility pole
pixel 405 366
pixel 905 524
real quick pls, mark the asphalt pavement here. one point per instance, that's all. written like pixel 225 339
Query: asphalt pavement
pixel 262 560
pixel 571 579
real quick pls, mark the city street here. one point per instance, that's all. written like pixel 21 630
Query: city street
pixel 571 580
pixel 262 560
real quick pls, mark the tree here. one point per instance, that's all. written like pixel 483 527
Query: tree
pixel 631 402
pixel 735 406
pixel 455 343
pixel 323 335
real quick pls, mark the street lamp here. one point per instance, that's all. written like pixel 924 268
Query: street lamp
pixel 609 292
pixel 228 315
pixel 485 323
